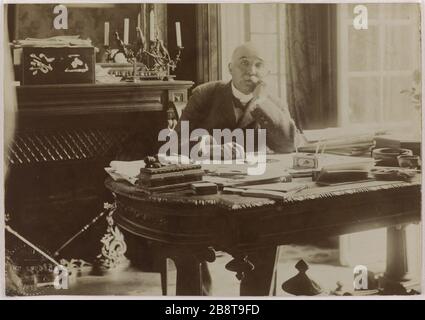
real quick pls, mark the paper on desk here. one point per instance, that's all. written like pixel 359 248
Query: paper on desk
pixel 342 134
pixel 348 140
pixel 280 186
pixel 326 161
pixel 239 178
pixel 125 170
pixel 173 159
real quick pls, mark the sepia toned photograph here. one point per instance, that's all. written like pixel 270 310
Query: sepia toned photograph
pixel 212 149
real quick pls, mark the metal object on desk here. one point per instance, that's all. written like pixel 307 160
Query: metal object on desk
pixel 305 161
pixel 394 174
pixel 409 161
pixel 388 156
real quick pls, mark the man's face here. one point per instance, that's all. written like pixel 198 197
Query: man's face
pixel 247 68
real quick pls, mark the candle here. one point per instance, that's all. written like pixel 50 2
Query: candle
pixel 106 42
pixel 141 37
pixel 178 35
pixel 152 25
pixel 126 29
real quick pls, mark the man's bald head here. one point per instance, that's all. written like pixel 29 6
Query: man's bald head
pixel 249 49
pixel 248 66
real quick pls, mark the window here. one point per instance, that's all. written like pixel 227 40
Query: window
pixel 376 64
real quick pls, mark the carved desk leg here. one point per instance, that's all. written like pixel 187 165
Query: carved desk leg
pixel 114 247
pixel 193 278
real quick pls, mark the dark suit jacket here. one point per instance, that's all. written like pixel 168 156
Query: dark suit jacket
pixel 211 106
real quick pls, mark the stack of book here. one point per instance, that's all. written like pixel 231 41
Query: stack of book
pixel 169 178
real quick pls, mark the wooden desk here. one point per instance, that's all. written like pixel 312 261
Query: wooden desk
pixel 188 226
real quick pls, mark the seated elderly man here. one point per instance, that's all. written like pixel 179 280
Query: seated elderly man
pixel 244 103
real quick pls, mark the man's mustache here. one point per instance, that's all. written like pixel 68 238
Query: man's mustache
pixel 252 78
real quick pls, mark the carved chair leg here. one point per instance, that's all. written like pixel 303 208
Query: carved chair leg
pixel 193 276
pixel 256 271
pixel 189 279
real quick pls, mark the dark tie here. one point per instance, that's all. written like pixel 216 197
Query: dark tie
pixel 238 104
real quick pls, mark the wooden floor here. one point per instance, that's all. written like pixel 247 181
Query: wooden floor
pixel 324 269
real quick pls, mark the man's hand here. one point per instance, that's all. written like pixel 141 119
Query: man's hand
pixel 259 95
pixel 260 91
pixel 232 150
pixel 210 148
pixel 264 109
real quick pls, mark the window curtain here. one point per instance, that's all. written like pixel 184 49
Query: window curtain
pixel 310 53
pixel 208 42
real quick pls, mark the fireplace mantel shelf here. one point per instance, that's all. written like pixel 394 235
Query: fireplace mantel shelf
pixel 80 99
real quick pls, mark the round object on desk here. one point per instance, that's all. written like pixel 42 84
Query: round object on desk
pixel 408 161
pixel 388 156
pixel 395 174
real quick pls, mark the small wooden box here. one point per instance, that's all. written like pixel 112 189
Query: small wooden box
pixel 58 65
pixel 305 161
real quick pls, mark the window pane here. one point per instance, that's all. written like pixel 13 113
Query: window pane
pixel 263 17
pixel 270 42
pixel 399 52
pixel 363 49
pixel 372 10
pixel 404 11
pixel 363 99
pixel 273 85
pixel 398 106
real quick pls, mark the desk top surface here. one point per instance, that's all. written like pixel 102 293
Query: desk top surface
pixel 237 202
pixel 231 220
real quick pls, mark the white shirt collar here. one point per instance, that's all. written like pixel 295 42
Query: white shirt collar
pixel 243 98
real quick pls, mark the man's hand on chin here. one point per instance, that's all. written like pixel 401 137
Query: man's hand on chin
pixel 265 110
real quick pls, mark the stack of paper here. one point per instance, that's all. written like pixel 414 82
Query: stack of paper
pixel 125 170
pixel 342 141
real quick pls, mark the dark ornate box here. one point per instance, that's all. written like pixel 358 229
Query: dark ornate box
pixel 58 65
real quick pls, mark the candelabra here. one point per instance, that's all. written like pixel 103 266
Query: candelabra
pixel 152 63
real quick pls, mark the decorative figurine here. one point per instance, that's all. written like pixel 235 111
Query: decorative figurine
pixel 301 284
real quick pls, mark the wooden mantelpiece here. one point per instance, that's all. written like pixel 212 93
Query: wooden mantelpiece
pixel 46 100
